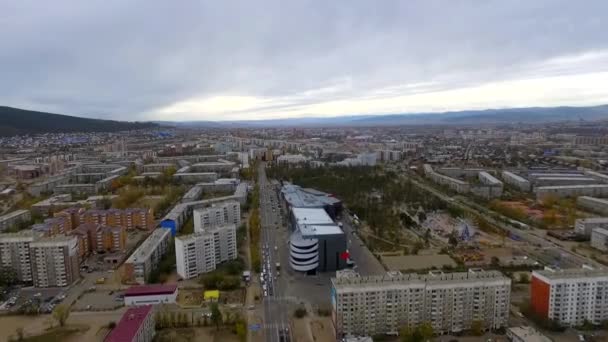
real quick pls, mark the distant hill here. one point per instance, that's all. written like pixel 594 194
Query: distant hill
pixel 467 117
pixel 14 121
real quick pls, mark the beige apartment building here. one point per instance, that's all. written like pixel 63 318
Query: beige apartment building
pixel 54 261
pixel 450 302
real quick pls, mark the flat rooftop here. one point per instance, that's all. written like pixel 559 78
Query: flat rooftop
pixel 311 230
pixel 129 324
pixel 436 277
pixel 578 186
pixel 570 273
pixel 150 290
pixel 311 216
pixel 144 250
pixel 307 198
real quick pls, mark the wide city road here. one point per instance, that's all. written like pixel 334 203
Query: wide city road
pixel 276 316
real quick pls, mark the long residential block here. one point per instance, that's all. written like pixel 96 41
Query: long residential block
pixel 570 296
pixel 450 302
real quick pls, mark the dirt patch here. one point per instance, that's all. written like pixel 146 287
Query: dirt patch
pixel 417 262
pixel 322 329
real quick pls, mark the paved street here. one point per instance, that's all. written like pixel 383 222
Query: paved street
pixel 366 263
pixel 276 313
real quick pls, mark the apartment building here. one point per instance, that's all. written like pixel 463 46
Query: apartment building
pixel 570 296
pixel 147 256
pixel 99 238
pixel 201 252
pixel 594 190
pixel 131 218
pixel 54 261
pixel 598 205
pixel 194 254
pixel 218 214
pixel 71 216
pixel 13 218
pixel 516 181
pixel 599 239
pixel 389 155
pixel 450 302
pixel 15 253
pixel 587 225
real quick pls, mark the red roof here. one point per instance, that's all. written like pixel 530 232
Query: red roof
pixel 131 321
pixel 149 290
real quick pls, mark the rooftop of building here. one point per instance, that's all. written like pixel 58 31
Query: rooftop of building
pixel 569 273
pixel 149 290
pixel 577 186
pixel 593 199
pixel 129 324
pixel 300 197
pixel 13 214
pixel 600 231
pixel 312 230
pixel 529 334
pixel 414 278
pixel 311 216
pixel 144 250
pixel 56 240
pixel 593 220
pixel 516 176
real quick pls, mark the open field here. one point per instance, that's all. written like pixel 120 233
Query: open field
pixel 196 334
pixel 417 262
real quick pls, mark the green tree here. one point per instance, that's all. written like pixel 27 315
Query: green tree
pixel 61 314
pixel 426 331
pixel 477 328
pixel 216 315
pixel 241 330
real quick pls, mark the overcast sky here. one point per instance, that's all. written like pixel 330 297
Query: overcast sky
pixel 224 60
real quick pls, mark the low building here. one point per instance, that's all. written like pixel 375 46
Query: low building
pixel 317 243
pixel 151 295
pixel 598 205
pixel 13 218
pixel 516 181
pixel 599 239
pixel 570 296
pixel 526 334
pixel 195 177
pixel 136 325
pixel 586 225
pixel 594 190
pixel 147 256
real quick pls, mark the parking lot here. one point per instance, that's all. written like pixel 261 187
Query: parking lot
pixel 29 299
pixel 99 301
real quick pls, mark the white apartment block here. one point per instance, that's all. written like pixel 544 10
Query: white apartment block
pixel 13 218
pixel 599 205
pixel 54 261
pixel 599 239
pixel 516 181
pixel 585 226
pixel 194 254
pixel 147 256
pixel 450 302
pixel 595 190
pixel 218 214
pixel 571 296
pixel 201 252
pixel 15 253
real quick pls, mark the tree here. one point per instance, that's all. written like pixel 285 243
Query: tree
pixel 494 261
pixel 216 315
pixel 426 331
pixel 300 312
pixel 524 278
pixel 61 314
pixel 241 330
pixel 422 333
pixel 20 334
pixel 453 239
pixel 477 328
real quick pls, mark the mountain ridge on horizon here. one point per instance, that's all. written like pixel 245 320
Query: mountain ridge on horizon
pixel 16 121
pixel 480 116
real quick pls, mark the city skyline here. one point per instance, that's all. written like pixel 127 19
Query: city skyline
pixel 222 61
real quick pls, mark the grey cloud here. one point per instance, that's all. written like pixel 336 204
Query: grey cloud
pixel 123 59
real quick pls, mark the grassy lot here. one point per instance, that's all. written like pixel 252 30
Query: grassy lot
pixel 57 334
